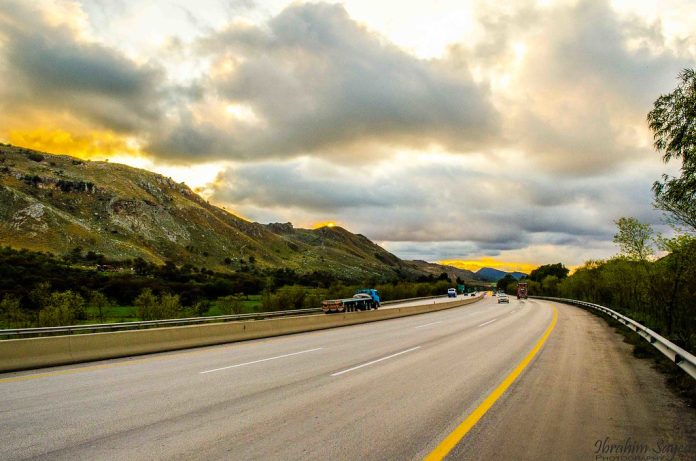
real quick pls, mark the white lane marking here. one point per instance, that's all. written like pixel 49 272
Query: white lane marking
pixel 375 361
pixel 486 323
pixel 512 311
pixel 262 360
pixel 428 324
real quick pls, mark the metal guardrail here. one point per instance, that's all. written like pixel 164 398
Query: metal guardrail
pixel 100 327
pixel 71 329
pixel 682 358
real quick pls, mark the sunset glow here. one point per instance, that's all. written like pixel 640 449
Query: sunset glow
pixel 475 265
pixel 324 224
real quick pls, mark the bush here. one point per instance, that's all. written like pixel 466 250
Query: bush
pixel 151 307
pixel 146 303
pixel 11 313
pixel 62 308
pixel 231 304
pixel 98 301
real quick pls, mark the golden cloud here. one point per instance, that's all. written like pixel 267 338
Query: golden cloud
pixel 95 144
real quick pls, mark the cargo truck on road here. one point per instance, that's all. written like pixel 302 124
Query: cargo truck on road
pixel 522 290
pixel 363 300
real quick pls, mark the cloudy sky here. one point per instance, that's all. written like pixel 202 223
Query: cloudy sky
pixel 444 130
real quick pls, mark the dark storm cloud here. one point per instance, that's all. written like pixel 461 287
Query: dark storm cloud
pixel 322 189
pixel 323 83
pixel 49 67
pixel 475 212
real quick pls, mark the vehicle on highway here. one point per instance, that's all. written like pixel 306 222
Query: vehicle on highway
pixel 473 293
pixel 522 290
pixel 364 299
pixel 503 298
pixel 451 293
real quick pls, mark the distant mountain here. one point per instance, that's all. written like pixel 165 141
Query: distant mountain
pixel 58 203
pixel 488 274
pixel 437 269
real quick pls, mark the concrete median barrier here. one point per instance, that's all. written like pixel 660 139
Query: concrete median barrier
pixel 22 354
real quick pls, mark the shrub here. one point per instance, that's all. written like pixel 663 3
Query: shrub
pixel 62 308
pixel 231 304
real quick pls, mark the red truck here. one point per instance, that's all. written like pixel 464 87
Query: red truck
pixel 522 290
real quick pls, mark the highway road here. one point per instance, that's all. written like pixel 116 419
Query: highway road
pixel 420 302
pixel 389 390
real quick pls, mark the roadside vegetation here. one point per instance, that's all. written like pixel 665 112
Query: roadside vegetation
pixel 41 289
pixel 659 292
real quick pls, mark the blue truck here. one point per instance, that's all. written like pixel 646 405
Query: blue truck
pixel 364 299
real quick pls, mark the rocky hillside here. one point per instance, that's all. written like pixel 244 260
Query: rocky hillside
pixel 57 203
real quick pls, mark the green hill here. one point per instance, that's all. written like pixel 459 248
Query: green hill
pixel 57 203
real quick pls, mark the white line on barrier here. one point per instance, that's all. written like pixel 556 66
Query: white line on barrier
pixel 428 324
pixel 486 323
pixel 262 360
pixel 375 361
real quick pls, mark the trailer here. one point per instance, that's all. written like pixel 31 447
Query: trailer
pixel 363 300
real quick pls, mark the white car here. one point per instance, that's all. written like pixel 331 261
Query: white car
pixel 451 293
pixel 503 298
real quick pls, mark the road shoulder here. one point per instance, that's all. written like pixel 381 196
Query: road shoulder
pixel 584 397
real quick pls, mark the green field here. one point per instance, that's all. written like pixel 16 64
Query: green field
pixel 117 314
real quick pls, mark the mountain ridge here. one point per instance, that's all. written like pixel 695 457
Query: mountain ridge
pixel 489 274
pixel 58 203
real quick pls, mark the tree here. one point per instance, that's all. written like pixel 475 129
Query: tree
pixel 151 307
pixel 673 122
pixel 99 302
pixel 146 303
pixel 634 239
pixel 201 307
pixel 682 254
pixel 557 270
pixel 231 304
pixel 503 283
pixel 11 313
pixel 549 285
pixel 38 296
pixel 62 308
pixel 169 306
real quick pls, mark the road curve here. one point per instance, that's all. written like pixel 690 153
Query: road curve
pixel 384 390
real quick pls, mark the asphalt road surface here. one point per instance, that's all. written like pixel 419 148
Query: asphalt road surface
pixel 389 390
pixel 420 302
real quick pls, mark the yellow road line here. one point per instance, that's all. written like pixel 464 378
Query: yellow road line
pixel 443 449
